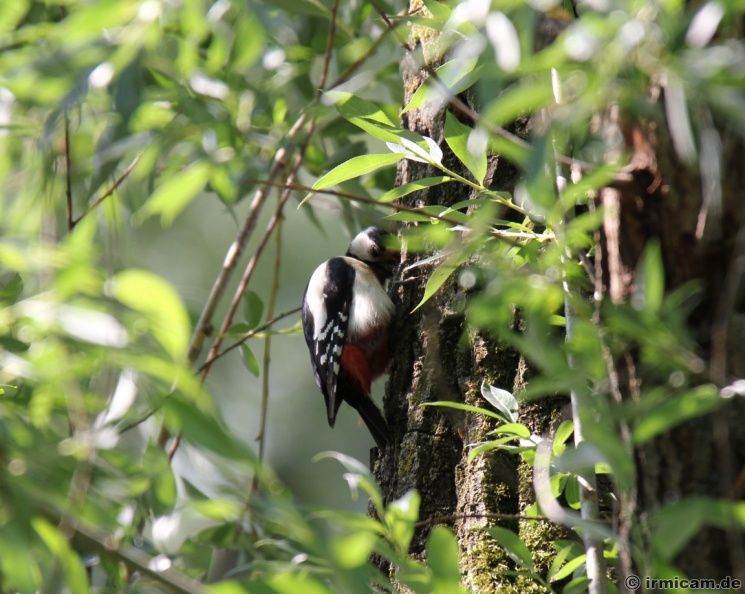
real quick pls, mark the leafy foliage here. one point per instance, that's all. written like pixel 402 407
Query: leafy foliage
pixel 122 113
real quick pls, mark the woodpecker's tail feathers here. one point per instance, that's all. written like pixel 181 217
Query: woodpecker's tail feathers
pixel 374 420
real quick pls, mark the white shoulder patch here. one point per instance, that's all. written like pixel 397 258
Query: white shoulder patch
pixel 314 297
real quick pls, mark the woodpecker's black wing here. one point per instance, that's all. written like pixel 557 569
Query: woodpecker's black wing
pixel 326 331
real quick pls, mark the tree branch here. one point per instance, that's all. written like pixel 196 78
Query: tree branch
pixel 109 191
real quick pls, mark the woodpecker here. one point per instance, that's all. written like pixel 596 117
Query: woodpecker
pixel 346 315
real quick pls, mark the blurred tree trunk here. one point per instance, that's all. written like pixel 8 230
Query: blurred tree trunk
pixel 694 209
pixel 436 358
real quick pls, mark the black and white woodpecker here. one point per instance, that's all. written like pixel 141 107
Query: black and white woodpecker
pixel 346 317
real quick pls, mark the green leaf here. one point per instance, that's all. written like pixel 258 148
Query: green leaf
pixel 577 586
pixel 176 192
pixel 353 549
pixel 461 406
pixel 514 429
pixel 569 568
pixel 249 360
pixel 456 136
pixel 520 99
pixel 564 432
pixel 357 475
pixel 453 77
pixel 217 509
pixel 673 525
pixel 650 279
pixel 513 546
pixel 72 568
pixel 289 583
pixel 11 287
pixel 441 274
pixel 400 518
pixel 149 294
pixel 571 492
pixel 415 186
pixel 355 167
pixel 367 116
pixel 156 465
pixel 558 561
pixel 498 444
pixel 253 309
pixel 442 558
pixel 352 108
pixel 205 430
pixel 675 410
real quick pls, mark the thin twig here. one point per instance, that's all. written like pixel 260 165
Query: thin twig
pixel 588 489
pixel 249 335
pixel 109 191
pixel 68 173
pixel 476 117
pixel 485 516
pixel 204 325
pixel 251 266
pixel 272 301
pixel 93 539
pixel 329 49
pixel 361 199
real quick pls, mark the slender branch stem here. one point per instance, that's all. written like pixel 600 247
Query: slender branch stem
pixel 109 191
pixel 204 325
pixel 588 490
pixel 68 173
pixel 249 335
pixel 104 544
pixel 261 437
pixel 486 516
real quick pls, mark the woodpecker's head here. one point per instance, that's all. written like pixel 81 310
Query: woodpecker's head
pixel 372 247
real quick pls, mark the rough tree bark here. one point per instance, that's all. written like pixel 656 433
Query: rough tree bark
pixel 436 357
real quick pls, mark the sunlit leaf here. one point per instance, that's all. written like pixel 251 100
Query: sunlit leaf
pixel 415 186
pixel 563 432
pixel 353 549
pixel 500 399
pixel 462 406
pixel 451 78
pixel 561 556
pixel 73 570
pixel 149 294
pixel 400 517
pixel 513 546
pixel 571 492
pixel 675 410
pixel 578 585
pixel 442 558
pixel 174 194
pixel 569 568
pixel 441 274
pixel 456 136
pixel 356 167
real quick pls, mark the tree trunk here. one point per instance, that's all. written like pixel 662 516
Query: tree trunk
pixel 436 357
